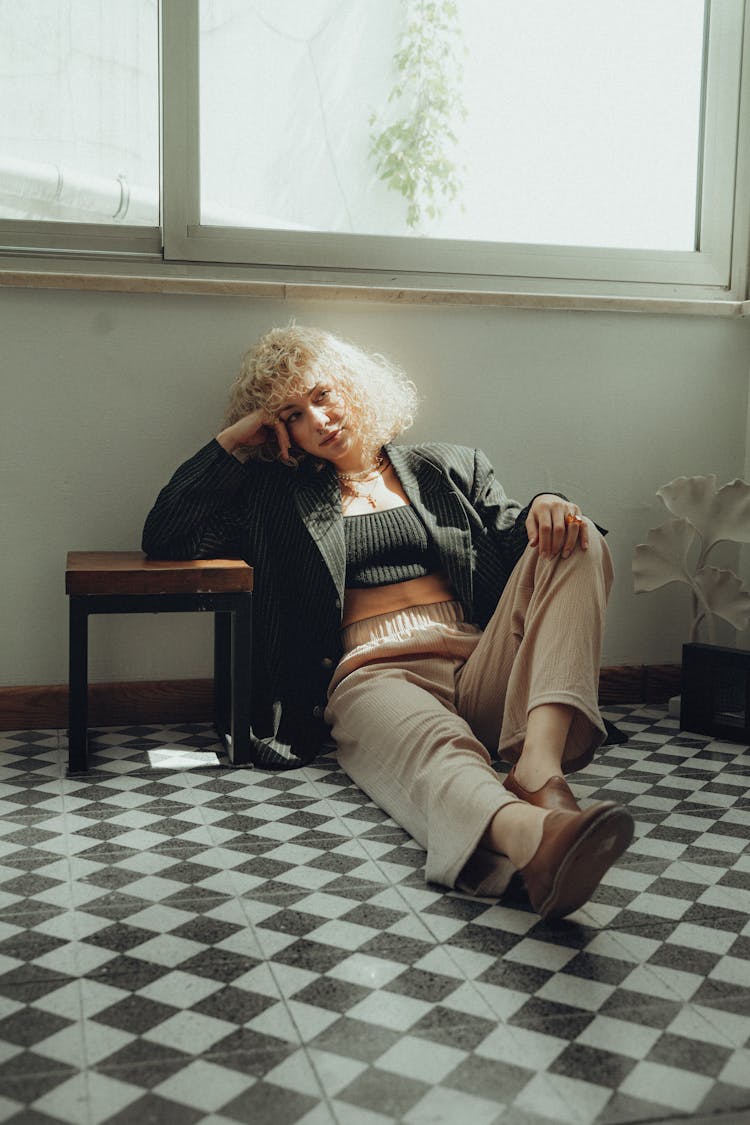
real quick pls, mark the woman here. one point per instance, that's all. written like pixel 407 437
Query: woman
pixel 407 606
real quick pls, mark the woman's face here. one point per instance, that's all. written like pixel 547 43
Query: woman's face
pixel 316 419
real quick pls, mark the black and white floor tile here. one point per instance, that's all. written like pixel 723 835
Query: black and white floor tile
pixel 185 942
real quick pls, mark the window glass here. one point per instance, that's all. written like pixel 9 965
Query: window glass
pixel 567 122
pixel 79 135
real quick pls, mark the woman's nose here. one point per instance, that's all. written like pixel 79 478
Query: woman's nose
pixel 320 416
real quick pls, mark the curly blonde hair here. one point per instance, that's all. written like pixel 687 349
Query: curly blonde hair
pixel 378 397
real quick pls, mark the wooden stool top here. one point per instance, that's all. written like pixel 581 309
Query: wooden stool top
pixel 130 572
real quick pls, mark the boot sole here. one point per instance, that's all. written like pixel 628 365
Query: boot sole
pixel 587 862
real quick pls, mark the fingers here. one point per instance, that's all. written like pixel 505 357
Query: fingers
pixel 573 533
pixel 532 529
pixel 552 531
pixel 282 437
pixel 556 527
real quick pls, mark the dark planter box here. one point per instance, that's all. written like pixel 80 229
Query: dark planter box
pixel 715 697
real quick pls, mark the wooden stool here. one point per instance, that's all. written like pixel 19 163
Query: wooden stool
pixel 127 582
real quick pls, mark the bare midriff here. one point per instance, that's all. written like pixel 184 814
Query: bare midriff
pixel 369 601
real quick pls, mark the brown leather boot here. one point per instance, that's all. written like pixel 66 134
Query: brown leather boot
pixel 575 852
pixel 554 794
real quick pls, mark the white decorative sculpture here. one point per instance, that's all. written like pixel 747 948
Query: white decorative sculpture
pixel 712 516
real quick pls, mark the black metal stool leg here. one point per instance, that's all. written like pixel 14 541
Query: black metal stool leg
pixel 78 686
pixel 222 673
pixel 239 752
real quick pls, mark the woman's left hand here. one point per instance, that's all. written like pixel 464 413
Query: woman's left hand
pixel 556 526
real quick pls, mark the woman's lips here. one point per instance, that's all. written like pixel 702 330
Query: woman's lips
pixel 331 437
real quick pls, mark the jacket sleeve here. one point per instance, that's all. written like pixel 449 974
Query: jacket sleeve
pixel 198 514
pixel 504 519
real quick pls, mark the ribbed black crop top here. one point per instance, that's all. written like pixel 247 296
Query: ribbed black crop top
pixel 386 547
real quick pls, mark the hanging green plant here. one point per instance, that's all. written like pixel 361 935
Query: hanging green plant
pixel 413 152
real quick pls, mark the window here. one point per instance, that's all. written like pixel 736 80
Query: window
pixel 569 123
pixel 79 80
pixel 562 145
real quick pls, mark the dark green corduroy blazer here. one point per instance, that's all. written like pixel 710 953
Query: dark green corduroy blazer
pixel 287 523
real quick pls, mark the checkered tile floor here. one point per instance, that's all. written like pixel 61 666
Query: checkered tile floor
pixel 205 944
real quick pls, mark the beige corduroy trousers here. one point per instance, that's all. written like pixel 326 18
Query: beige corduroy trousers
pixel 421 701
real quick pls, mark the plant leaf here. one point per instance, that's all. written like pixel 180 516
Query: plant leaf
pixel 663 557
pixel 715 514
pixel 724 595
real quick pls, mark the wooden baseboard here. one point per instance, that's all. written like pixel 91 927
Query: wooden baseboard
pixel 140 701
pixel 639 683
pixel 191 701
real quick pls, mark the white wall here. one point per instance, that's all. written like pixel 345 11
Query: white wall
pixel 743 639
pixel 104 394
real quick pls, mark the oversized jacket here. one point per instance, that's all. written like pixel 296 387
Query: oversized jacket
pixel 287 523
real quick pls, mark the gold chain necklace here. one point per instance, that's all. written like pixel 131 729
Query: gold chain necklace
pixel 348 482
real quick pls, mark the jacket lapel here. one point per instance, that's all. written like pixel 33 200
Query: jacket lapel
pixel 440 508
pixel 318 502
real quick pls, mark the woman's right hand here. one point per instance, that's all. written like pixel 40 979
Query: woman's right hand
pixel 255 429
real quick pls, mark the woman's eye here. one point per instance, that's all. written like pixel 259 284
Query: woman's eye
pixel 291 418
pixel 323 395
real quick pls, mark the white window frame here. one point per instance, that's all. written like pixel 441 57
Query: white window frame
pixel 84 240
pixel 717 269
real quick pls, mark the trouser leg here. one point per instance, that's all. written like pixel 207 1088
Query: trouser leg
pixel 542 645
pixel 400 740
